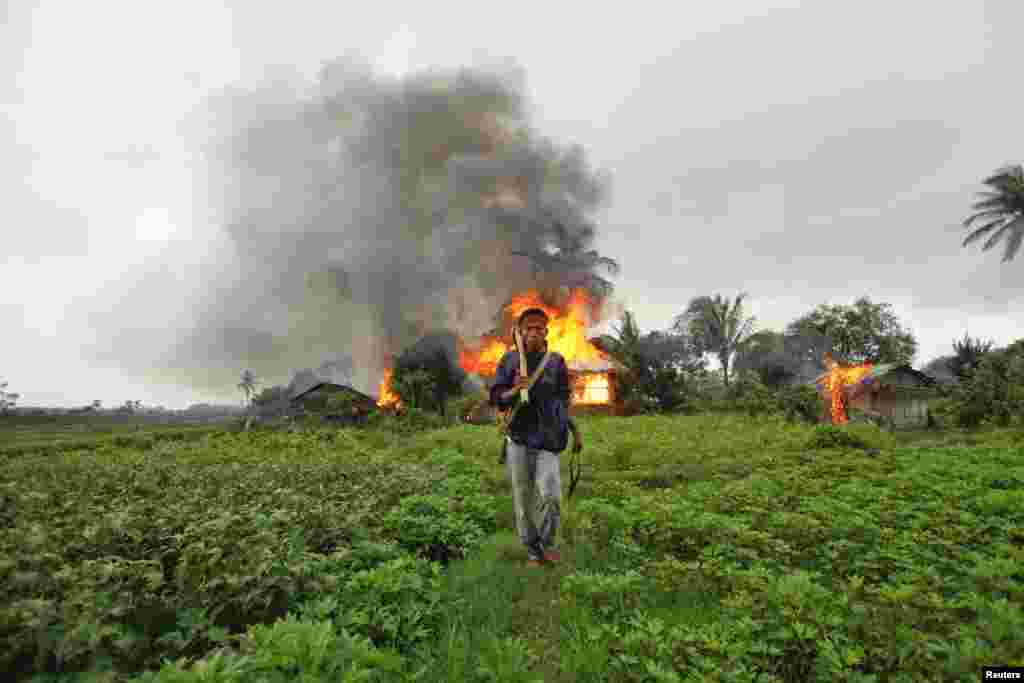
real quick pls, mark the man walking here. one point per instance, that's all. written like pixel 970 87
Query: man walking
pixel 537 434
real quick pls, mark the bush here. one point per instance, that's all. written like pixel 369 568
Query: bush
pixel 863 436
pixel 457 408
pixel 749 396
pixel 832 436
pixel 407 421
pixel 994 392
pixel 943 412
pixel 799 402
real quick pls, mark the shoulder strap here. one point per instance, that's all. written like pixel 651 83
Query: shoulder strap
pixel 540 369
pixel 505 418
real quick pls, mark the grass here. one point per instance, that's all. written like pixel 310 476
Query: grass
pixel 711 547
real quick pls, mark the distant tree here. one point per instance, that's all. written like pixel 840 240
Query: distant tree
pixel 248 385
pixel 97 404
pixel 7 399
pixel 270 395
pixel 272 400
pixel 994 391
pixel 1001 210
pixel 131 406
pixel 658 363
pixel 432 355
pixel 718 325
pixel 968 353
pixel 415 387
pixel 624 345
pixel 764 354
pixel 669 362
pixel 863 332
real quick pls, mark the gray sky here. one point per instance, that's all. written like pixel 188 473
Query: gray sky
pixel 806 153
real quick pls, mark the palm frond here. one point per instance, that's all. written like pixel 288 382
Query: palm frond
pixel 982 231
pixel 1013 242
pixel 984 214
pixel 996 236
pixel 1000 203
pixel 1004 175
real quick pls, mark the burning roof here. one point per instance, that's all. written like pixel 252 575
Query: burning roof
pixel 567 335
pixel 840 384
pixel 567 330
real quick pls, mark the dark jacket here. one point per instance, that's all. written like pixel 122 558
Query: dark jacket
pixel 543 423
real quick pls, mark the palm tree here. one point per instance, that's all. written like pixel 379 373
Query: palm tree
pixel 718 325
pixel 967 354
pixel 248 384
pixel 7 398
pixel 1001 210
pixel 625 348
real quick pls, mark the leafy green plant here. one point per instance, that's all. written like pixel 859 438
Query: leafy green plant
pixel 283 556
pixel 800 402
pixel 994 391
pixel 832 436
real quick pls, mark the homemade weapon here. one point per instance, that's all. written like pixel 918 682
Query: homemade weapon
pixel 505 417
pixel 524 394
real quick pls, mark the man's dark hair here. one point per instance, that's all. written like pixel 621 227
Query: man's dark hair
pixel 531 311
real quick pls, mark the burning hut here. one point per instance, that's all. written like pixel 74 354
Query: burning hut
pixel 592 374
pixel 900 396
pixel 896 394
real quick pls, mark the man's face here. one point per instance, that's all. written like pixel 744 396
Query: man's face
pixel 535 332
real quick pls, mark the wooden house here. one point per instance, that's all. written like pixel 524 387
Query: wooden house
pixel 899 398
pixel 315 399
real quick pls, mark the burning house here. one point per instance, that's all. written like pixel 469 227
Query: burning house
pixel 437 204
pixel 895 394
pixel 900 396
pixel 592 374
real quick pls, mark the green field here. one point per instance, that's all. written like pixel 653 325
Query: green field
pixel 702 548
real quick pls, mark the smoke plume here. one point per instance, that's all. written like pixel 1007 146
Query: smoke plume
pixel 363 212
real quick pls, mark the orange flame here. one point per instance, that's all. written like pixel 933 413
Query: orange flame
pixel 566 333
pixel 483 361
pixel 592 389
pixel 387 397
pixel 567 329
pixel 837 380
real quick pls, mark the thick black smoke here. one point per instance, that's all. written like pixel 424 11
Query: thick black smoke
pixel 786 359
pixel 364 212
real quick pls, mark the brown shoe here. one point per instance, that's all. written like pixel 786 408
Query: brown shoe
pixel 534 563
pixel 552 556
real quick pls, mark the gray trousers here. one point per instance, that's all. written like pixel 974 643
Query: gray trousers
pixel 536 496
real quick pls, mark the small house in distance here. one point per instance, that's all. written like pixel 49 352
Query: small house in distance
pixel 317 398
pixel 899 397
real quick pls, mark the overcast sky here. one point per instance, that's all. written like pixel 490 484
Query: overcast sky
pixel 804 152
